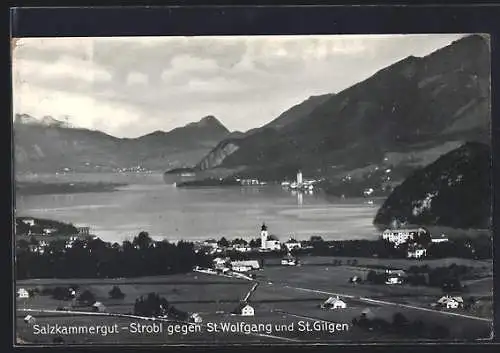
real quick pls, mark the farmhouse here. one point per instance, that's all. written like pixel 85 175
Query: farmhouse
pixel 354 279
pixel 211 243
pixel 241 268
pixel 416 251
pixel 22 293
pixel 334 303
pixel 195 318
pixel 442 239
pixel 451 302
pixel 29 222
pixel 48 231
pixel 244 310
pixel 242 248
pixel 220 263
pixel 289 260
pixel 393 279
pixel 98 306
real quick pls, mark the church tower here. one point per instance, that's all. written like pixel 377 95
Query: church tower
pixel 263 236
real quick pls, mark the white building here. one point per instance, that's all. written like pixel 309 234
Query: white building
pixel 240 268
pixel 244 310
pixel 442 239
pixel 29 319
pixel 22 293
pixel 220 263
pixel 451 302
pixel 289 261
pixel 29 222
pixel 417 253
pixel 48 231
pixel 393 278
pixel 242 248
pixel 195 318
pixel 400 236
pixel 334 303
pixel 292 244
pixel 299 178
pixel 268 242
pixel 98 306
pixel 211 243
pixel 253 264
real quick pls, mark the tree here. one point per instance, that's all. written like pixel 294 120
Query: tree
pixel 142 241
pixel 116 293
pixel 87 297
pixel 239 241
pixel 152 305
pixel 399 320
pixel 315 239
pixel 255 243
pixel 61 293
pixel 223 242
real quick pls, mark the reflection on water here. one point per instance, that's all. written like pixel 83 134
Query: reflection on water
pixel 196 214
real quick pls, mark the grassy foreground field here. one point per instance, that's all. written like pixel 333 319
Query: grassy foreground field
pixel 285 295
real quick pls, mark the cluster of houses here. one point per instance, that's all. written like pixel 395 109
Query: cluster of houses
pixel 248 182
pixel 42 246
pixel 31 222
pixel 224 265
pixel 416 249
pixel 300 183
pixel 268 242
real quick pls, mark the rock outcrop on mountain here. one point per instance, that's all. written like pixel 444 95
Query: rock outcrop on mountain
pixel 455 191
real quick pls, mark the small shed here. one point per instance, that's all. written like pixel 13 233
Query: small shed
pixel 23 293
pixel 367 314
pixel 99 307
pixel 29 319
pixel 195 318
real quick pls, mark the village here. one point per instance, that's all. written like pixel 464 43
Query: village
pixel 267 278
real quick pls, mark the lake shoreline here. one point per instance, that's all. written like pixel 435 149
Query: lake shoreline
pixel 41 188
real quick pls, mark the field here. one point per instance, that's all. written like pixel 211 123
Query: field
pixel 285 295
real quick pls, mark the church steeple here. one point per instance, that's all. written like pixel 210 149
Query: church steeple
pixel 264 227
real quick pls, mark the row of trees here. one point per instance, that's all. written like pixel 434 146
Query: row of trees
pixel 154 305
pixel 402 326
pixel 98 259
pixel 253 243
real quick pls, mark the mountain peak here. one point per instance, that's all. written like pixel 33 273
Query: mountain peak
pixel 208 121
pixel 47 120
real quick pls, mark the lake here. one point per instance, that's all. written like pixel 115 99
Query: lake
pixel 200 213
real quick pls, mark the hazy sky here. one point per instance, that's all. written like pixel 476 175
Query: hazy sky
pixel 132 86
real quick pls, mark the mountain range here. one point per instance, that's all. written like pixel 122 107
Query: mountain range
pixel 47 145
pixel 403 117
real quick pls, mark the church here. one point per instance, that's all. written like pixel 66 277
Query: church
pixel 268 242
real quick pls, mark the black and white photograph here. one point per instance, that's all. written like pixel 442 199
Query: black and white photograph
pixel 271 189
